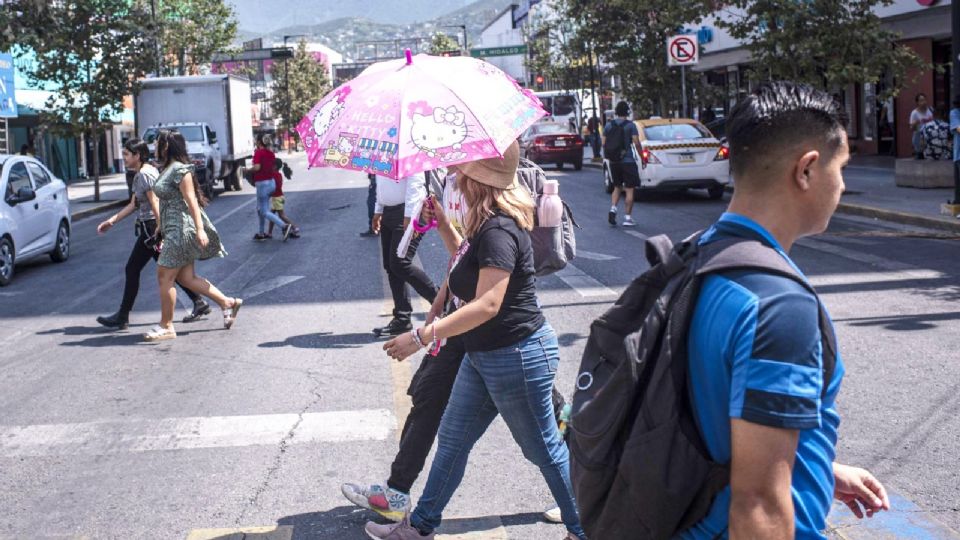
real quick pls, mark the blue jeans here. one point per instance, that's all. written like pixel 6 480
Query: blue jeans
pixel 515 381
pixel 265 189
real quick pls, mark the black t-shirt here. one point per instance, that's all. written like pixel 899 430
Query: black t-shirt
pixel 500 243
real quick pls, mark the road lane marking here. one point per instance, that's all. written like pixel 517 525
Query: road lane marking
pixel 585 285
pixel 636 234
pixel 282 532
pixel 266 286
pixel 245 273
pixel 478 528
pixel 589 255
pixel 827 280
pixel 867 258
pixel 114 437
pixel 232 212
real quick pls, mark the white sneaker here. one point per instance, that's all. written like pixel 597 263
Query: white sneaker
pixel 383 500
pixel 628 221
pixel 553 515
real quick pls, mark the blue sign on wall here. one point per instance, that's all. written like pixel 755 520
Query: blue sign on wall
pixel 8 101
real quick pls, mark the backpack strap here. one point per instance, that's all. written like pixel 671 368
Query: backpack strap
pixel 745 254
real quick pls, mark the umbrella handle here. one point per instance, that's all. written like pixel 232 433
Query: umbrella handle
pixel 409 56
pixel 424 228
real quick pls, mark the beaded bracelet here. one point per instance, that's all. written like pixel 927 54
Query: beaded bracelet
pixel 416 338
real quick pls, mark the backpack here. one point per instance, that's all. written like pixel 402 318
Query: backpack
pixel 638 463
pixel 615 144
pixel 553 247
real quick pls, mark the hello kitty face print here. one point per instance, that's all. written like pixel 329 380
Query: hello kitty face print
pixel 440 134
pixel 325 117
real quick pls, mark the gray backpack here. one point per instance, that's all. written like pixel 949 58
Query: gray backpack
pixel 553 247
pixel 638 463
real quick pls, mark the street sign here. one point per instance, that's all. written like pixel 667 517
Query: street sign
pixel 8 100
pixel 682 51
pixel 498 51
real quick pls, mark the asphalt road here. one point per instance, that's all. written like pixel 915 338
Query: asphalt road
pixel 106 437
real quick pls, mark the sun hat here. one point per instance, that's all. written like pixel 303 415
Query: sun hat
pixel 494 172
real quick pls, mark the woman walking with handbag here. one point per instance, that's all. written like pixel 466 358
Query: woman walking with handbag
pixel 188 235
pixel 512 352
pixel 145 204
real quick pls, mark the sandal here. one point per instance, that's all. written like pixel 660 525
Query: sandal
pixel 159 333
pixel 230 314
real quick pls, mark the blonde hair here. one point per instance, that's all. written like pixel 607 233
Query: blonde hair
pixel 484 200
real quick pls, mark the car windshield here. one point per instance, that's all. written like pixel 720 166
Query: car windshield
pixel 550 128
pixel 675 132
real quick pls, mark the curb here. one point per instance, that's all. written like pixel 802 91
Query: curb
pixel 894 216
pixel 98 209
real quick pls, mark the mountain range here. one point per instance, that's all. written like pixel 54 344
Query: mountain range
pixel 341 28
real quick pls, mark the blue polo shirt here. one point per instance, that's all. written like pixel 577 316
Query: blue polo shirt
pixel 755 353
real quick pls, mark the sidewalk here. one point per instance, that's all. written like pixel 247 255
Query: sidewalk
pixel 113 194
pixel 872 192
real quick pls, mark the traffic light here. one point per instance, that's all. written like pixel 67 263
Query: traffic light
pixel 539 80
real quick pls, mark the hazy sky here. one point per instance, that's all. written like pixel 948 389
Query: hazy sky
pixel 268 15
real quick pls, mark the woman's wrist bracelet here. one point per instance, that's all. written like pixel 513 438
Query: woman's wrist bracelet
pixel 416 338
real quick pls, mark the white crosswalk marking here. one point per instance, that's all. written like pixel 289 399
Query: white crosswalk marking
pixel 100 438
pixel 589 255
pixel 585 285
pixel 636 234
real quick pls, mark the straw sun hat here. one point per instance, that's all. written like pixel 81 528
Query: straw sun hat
pixel 494 172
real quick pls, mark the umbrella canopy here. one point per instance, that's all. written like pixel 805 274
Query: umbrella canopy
pixel 406 116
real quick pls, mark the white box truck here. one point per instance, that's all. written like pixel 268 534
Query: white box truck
pixel 213 112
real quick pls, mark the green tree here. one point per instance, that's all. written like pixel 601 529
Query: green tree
pixel 827 43
pixel 298 85
pixel 89 54
pixel 441 43
pixel 557 49
pixel 191 31
pixel 631 35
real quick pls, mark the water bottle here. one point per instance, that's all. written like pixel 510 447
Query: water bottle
pixel 551 207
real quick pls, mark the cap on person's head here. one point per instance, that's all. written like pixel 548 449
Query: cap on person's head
pixel 495 172
pixel 622 109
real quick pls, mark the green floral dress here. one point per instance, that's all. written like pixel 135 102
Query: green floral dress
pixel 180 246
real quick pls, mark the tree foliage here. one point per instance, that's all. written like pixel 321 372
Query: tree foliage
pixel 192 31
pixel 88 53
pixel 441 42
pixel 298 86
pixel 631 36
pixel 826 43
pixel 558 49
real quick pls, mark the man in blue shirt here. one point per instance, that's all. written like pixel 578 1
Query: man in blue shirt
pixel 755 347
pixel 955 129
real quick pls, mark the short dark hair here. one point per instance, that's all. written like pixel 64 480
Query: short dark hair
pixel 778 115
pixel 916 98
pixel 138 148
pixel 622 109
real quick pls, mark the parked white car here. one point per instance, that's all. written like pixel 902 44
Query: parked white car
pixel 679 153
pixel 34 214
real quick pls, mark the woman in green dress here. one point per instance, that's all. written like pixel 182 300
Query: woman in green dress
pixel 188 235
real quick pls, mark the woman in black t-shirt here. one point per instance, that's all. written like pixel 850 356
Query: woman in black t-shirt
pixel 512 352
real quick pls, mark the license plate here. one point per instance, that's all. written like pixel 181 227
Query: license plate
pixel 559 143
pixel 686 158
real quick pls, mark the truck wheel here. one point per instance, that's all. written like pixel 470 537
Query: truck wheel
pixel 236 179
pixel 715 192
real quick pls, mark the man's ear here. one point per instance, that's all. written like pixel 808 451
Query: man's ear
pixel 803 168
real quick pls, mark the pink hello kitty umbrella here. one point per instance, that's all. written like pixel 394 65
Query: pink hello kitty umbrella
pixel 406 116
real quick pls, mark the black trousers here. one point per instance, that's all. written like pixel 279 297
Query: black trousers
pixel 401 272
pixel 430 392
pixel 139 257
pixel 371 199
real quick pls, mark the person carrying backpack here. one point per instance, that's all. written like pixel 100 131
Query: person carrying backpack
pixel 712 383
pixel 618 136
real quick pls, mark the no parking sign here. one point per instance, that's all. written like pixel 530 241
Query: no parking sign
pixel 682 51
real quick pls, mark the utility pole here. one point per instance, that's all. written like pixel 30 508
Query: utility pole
pixel 286 90
pixel 156 36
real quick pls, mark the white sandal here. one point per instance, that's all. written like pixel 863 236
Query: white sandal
pixel 230 314
pixel 159 333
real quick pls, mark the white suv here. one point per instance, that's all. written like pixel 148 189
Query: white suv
pixel 34 214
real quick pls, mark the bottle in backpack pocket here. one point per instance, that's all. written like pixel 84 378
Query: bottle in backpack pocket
pixel 550 210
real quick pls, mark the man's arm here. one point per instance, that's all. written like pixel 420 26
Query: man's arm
pixel 761 505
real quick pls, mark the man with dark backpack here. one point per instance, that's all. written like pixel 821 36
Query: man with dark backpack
pixel 620 135
pixel 705 404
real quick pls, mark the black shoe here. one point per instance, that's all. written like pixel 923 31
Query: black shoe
pixel 368 234
pixel 118 321
pixel 395 328
pixel 200 309
pixel 612 218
